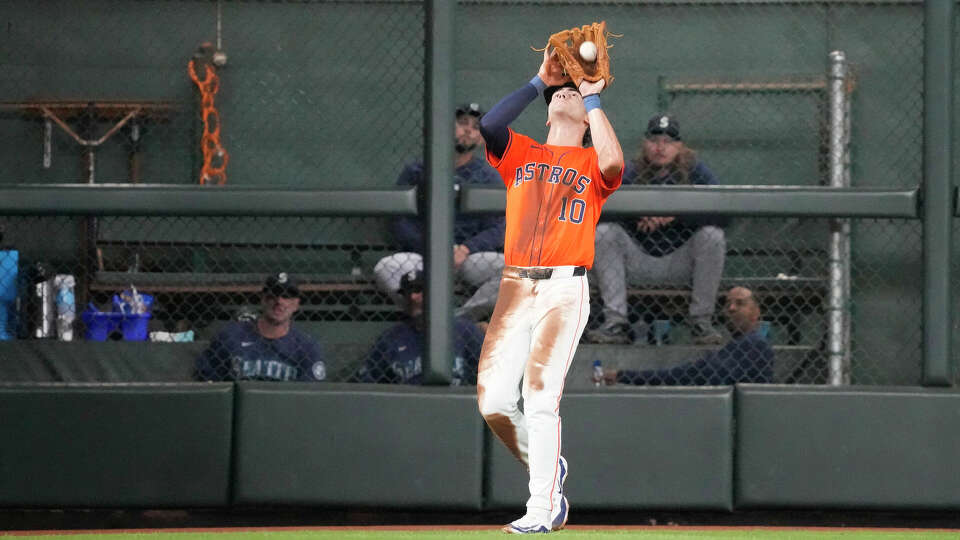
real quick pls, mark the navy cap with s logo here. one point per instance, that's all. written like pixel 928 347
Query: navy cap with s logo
pixel 662 124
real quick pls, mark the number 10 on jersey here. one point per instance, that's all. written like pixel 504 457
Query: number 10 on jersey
pixel 572 210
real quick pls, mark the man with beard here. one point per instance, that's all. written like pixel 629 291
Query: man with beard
pixel 268 348
pixel 477 252
pixel 661 249
pixel 397 355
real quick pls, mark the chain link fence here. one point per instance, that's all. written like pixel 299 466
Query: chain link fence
pixel 222 284
pixel 302 98
pixel 783 267
pixel 104 91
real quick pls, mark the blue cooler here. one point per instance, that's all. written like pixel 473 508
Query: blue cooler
pixel 5 333
pixel 134 326
pixel 9 269
pixel 99 323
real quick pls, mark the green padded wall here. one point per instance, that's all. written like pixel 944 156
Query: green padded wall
pixel 635 448
pixel 149 445
pixel 847 447
pixel 47 360
pixel 358 445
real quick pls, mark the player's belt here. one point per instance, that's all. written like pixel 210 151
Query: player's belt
pixel 549 272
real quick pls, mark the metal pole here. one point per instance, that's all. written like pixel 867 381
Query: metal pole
pixel 47 136
pixel 439 196
pixel 937 190
pixel 838 295
pixel 847 130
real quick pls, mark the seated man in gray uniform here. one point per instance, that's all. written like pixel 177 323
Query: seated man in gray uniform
pixel 661 249
pixel 478 239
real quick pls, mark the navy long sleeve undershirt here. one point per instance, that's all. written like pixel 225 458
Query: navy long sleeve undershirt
pixel 494 124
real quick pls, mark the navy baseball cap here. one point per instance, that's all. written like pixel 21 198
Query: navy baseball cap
pixel 281 285
pixel 411 282
pixel 473 109
pixel 662 124
pixel 549 91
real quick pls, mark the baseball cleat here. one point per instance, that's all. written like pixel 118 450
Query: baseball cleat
pixel 558 518
pixel 563 472
pixel 526 525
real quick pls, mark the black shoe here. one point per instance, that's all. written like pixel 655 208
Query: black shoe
pixel 705 334
pixel 474 313
pixel 616 333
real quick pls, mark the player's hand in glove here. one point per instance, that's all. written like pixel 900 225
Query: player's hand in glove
pixel 551 72
pixel 586 87
pixel 567 43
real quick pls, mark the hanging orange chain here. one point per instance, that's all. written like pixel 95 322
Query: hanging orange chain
pixel 215 156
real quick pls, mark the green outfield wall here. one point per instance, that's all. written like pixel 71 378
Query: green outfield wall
pixel 657 448
pixel 847 447
pixel 350 445
pixel 343 446
pixel 97 445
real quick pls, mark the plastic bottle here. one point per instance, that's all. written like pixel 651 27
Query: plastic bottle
pixel 597 373
pixel 41 310
pixel 66 305
pixel 137 304
pixel 356 272
pixel 458 371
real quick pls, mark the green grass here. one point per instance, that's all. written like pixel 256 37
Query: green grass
pixel 658 534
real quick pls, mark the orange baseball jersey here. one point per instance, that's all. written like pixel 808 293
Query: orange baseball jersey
pixel 554 197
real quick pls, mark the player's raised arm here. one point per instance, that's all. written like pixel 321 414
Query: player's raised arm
pixel 494 124
pixel 609 152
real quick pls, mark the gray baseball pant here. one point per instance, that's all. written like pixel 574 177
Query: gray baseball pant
pixel 620 260
pixel 482 270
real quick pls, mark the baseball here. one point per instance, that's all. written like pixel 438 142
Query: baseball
pixel 588 51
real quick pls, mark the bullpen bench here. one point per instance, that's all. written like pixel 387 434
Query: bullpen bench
pixel 215 296
pixel 208 268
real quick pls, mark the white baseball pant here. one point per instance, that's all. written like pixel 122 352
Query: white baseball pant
pixel 533 336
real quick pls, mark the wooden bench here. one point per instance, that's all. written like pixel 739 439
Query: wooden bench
pixel 208 268
pixel 325 297
pixel 342 289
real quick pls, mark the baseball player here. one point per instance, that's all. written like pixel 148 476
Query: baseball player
pixel 268 348
pixel 554 195
pixel 396 357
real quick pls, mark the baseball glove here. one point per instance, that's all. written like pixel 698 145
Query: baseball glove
pixel 567 44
